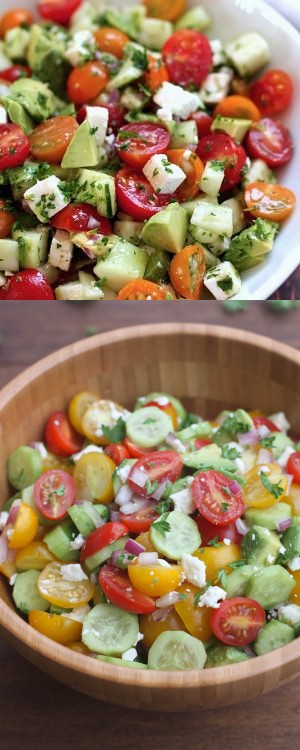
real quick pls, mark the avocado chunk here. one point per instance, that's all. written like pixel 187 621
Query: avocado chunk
pixel 16 43
pixel 219 656
pixel 35 97
pixel 196 18
pixel 232 424
pixel 157 268
pixel 249 247
pixel 18 114
pixel 280 443
pixel 82 151
pixel 209 457
pixel 167 230
pixel 236 128
pixel 184 134
pixel 237 580
pixel 290 540
pixel 270 518
pixel 46 56
pixel 154 32
pixel 98 189
pixel 24 177
pixel 123 263
pixel 270 586
pixel 274 634
pixel 260 546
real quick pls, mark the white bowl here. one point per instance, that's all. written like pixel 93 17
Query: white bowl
pixel 231 17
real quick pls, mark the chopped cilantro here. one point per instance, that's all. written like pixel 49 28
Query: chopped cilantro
pixel 162 526
pixel 275 489
pixel 117 433
pixel 214 542
pixel 224 507
pixel 268 441
pixel 230 453
pixel 222 577
pixel 151 486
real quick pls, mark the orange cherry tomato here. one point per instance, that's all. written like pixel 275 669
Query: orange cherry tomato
pixel 293 499
pixel 295 595
pixel 256 495
pixel 49 140
pixel 93 478
pixel 80 647
pixel 156 73
pixel 151 629
pixel 111 40
pixel 140 289
pixel 155 580
pixel 216 558
pixel 59 628
pixel 145 541
pixel 187 271
pixel 86 82
pixel 61 591
pixel 25 527
pixel 8 569
pixel 196 619
pixel 268 201
pixel 238 106
pixel 7 219
pixel 193 167
pixel 165 9
pixel 77 408
pixel 35 556
pixel 14 18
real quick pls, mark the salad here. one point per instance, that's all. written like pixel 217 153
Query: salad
pixel 155 539
pixel 137 155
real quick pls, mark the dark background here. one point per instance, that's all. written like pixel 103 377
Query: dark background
pixel 36 711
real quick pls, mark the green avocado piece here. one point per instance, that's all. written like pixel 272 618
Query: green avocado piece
pixel 18 114
pixel 260 546
pixel 35 97
pixel 280 442
pixel 167 230
pixel 157 268
pixel 54 70
pixel 237 128
pixel 82 151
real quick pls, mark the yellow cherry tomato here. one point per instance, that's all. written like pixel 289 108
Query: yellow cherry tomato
pixel 196 619
pixel 56 462
pixel 151 629
pixel 216 558
pixel 57 627
pixel 25 527
pixel 62 592
pixel 35 556
pixel 295 595
pixel 145 541
pixel 165 9
pixel 98 414
pixel 78 407
pixel 155 580
pixel 93 478
pixel 8 569
pixel 256 495
pixel 293 499
pixel 80 647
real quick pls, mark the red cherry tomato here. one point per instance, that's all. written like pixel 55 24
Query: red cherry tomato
pixel 293 466
pixel 135 195
pixel 54 493
pixel 214 499
pixel 58 11
pixel 80 217
pixel 203 121
pixel 259 421
pixel 237 621
pixel 60 436
pixel 188 57
pixel 149 140
pixel 201 443
pixel 135 450
pixel 157 466
pixel 273 92
pixel 14 146
pixel 117 453
pixel 27 285
pixel 117 587
pixel 271 141
pixel 141 521
pixel 101 538
pixel 210 531
pixel 15 72
pixel 220 147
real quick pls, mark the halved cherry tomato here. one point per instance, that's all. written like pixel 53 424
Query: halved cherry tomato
pixel 50 140
pixel 293 466
pixel 157 466
pixel 135 195
pixel 137 142
pixel 14 18
pixel 61 591
pixel 214 499
pixel 273 92
pixel 101 538
pixel 8 568
pixel 201 443
pixel 156 73
pixel 141 289
pixel 60 436
pixel 151 629
pixel 187 271
pixel 15 72
pixel 193 168
pixel 93 478
pixel 293 499
pixel 14 146
pixel 168 408
pixel 238 106
pixel 7 219
pixel 164 9
pixel 117 452
pixel 218 558
pixel 203 121
pixel 35 556
pixel 155 580
pixel 135 450
pixel 220 147
pixel 80 403
pixel 80 647
pixel 196 619
pixel 27 285
pixel 118 588
pixel 210 531
pixel 54 493
pixel 256 495
pixel 141 521
pixel 111 40
pixel 270 141
pixel 24 528
pixel 60 629
pixel 101 413
pixel 81 217
pixel 145 541
pixel 58 11
pixel 237 621
pixel 188 57
pixel 86 82
pixel 295 595
pixel 268 201
pixel 260 420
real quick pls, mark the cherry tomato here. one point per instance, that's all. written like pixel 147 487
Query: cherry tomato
pixel 135 450
pixel 188 57
pixel 14 18
pixel 111 40
pixel 155 580
pixel 193 168
pixel 293 499
pixel 80 217
pixel 60 437
pixel 295 595
pixel 144 539
pixel 58 11
pixel 138 141
pixel 14 146
pixel 293 466
pixel 93 478
pixel 273 92
pixel 117 587
pixel 157 466
pixel 35 556
pixel 98 414
pixel 218 558
pixel 218 146
pixel 256 495
pixel 214 499
pixel 141 289
pixel 238 106
pixel 201 443
pixel 24 528
pixel 141 521
pixel 54 493
pixel 7 219
pixel 86 82
pixel 135 195
pixel 117 452
pixel 268 201
pixel 101 538
pixel 168 408
pixel 27 285
pixel 210 531
pixel 164 9
pixel 15 72
pixel 80 403
pixel 196 619
pixel 259 421
pixel 156 73
pixel 50 140
pixel 62 592
pixel 237 621
pixel 270 141
pixel 80 647
pixel 60 629
pixel 151 629
pixel 187 271
pixel 203 121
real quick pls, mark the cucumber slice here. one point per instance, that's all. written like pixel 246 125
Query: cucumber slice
pixel 182 537
pixel 104 554
pixel 122 662
pixel 197 430
pixel 178 406
pixel 26 594
pixel 219 655
pixel 24 467
pixel 148 427
pixel 86 516
pixel 176 650
pixel 237 581
pixel 273 635
pixel 58 541
pixel 109 630
pixel 270 586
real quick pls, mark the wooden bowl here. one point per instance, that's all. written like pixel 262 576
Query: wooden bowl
pixel 209 368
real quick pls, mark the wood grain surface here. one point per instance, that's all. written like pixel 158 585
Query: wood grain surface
pixel 34 709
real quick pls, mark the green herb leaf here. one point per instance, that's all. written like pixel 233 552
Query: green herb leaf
pixel 230 453
pixel 222 577
pixel 275 489
pixel 236 564
pixel 162 526
pixel 268 441
pixel 198 595
pixel 117 433
pixel 224 507
pixel 214 542
pixel 151 486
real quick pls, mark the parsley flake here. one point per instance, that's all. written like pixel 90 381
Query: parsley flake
pixel 117 433
pixel 275 489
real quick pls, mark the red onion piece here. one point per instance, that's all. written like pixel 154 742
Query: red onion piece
pixel 161 614
pixel 248 651
pixel 234 487
pixel 124 558
pixel 134 548
pixel 79 502
pixel 148 558
pixel 13 512
pixel 283 525
pixel 264 456
pixel 124 495
pixel 139 477
pixel 159 491
pixel 290 479
pixel 3 549
pixel 248 438
pixel 241 526
pixel 174 443
pixel 99 522
pixel 115 515
pixel 134 507
pixel 168 600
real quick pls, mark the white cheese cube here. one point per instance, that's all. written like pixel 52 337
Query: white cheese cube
pixel 79 614
pixel 73 572
pixel 280 421
pixel 46 198
pixel 194 570
pixel 294 564
pixel 88 449
pixel 212 178
pixel 3 116
pixel 80 48
pixel 164 177
pixel 77 542
pixel 248 53
pixel 130 654
pixel 213 218
pixel 212 597
pixel 61 250
pixel 289 613
pixel 283 459
pixel 181 103
pixel 97 117
pixel 183 501
pixel 219 57
pixel 216 86
pixel 223 281
pixel 165 114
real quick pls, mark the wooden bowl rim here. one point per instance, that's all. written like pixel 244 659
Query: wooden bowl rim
pixel 110 673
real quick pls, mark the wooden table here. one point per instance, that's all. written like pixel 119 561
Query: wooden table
pixel 36 711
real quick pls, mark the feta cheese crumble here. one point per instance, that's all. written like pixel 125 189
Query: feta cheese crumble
pixel 73 572
pixel 164 176
pixel 80 48
pixel 294 564
pixel 46 198
pixel 194 570
pixel 130 654
pixel 88 449
pixel 61 250
pixel 183 501
pixel 97 118
pixel 212 597
pixel 77 542
pixel 176 100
